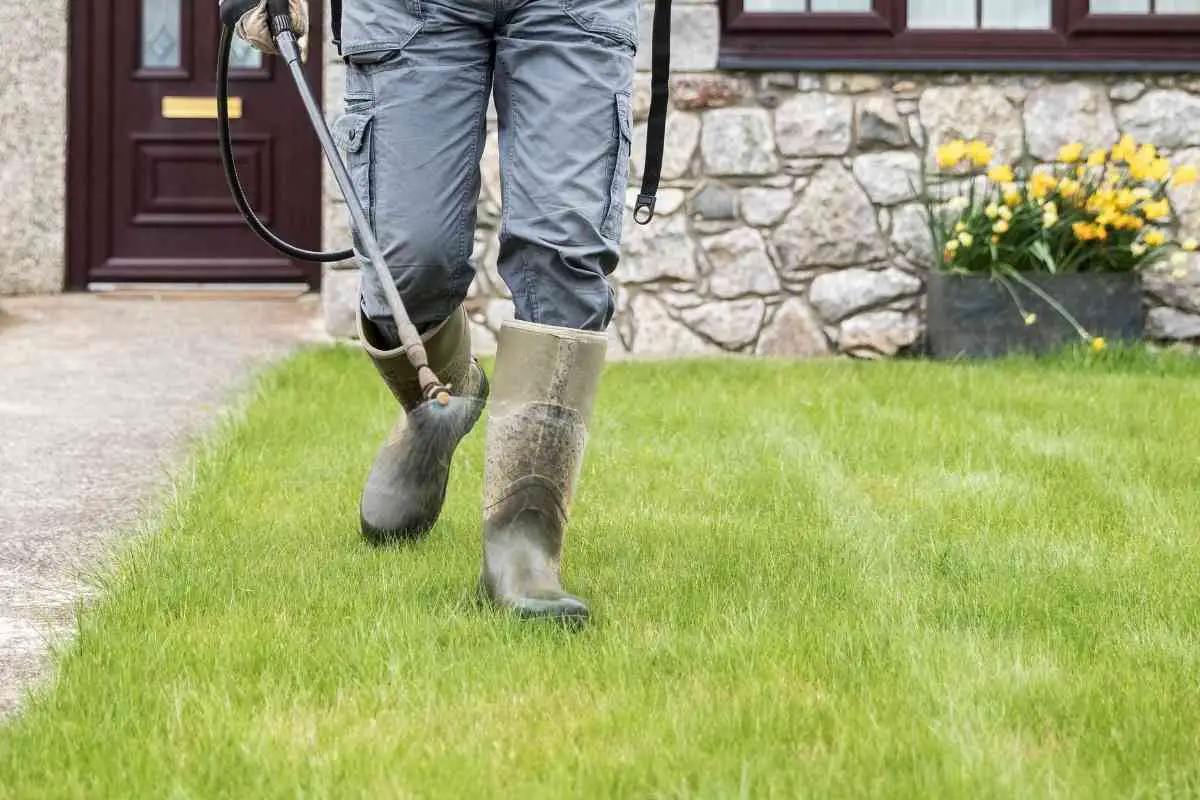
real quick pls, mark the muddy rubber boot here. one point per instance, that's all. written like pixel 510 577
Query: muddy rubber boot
pixel 406 487
pixel 544 386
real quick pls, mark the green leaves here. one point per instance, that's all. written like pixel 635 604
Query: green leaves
pixel 1041 251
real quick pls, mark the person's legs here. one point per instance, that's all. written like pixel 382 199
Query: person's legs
pixel 417 84
pixel 564 75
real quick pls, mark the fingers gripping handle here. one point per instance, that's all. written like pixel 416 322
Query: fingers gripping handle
pixel 278 12
pixel 233 10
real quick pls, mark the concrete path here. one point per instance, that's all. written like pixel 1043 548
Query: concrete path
pixel 98 399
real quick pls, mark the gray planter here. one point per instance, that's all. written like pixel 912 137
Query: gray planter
pixel 975 317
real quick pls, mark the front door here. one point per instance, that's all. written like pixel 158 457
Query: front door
pixel 148 199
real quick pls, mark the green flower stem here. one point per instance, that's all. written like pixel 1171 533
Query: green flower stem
pixel 1083 334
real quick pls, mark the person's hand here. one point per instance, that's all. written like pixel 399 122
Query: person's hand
pixel 249 19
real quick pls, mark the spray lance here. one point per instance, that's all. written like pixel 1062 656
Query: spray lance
pixel 280 19
pixel 279 14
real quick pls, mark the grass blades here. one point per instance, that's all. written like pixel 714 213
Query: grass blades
pixel 818 579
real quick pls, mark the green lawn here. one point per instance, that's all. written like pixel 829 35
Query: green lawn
pixel 819 579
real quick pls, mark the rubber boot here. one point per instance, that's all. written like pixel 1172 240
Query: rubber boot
pixel 544 386
pixel 406 487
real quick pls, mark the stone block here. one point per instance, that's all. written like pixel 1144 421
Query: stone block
pixel 738 141
pixel 339 302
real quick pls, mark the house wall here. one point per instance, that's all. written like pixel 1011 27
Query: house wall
pixel 787 222
pixel 33 146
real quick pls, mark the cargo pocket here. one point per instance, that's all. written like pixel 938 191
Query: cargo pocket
pixel 614 216
pixel 616 20
pixel 352 132
pixel 372 32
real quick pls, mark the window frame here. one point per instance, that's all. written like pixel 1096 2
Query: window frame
pixel 880 40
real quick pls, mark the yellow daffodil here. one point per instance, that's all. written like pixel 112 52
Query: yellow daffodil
pixel 979 152
pixel 1005 213
pixel 1001 226
pixel 1030 318
pixel 1099 344
pixel 995 239
pixel 1069 187
pixel 1085 231
pixel 1097 157
pixel 1125 199
pixel 1070 153
pixel 1190 245
pixel 951 153
pixel 957 203
pixel 1155 238
pixel 952 245
pixel 1001 174
pixel 1042 184
pixel 1160 168
pixel 1156 209
pixel 966 239
pixel 1103 197
pixel 992 211
pixel 1124 150
pixel 1012 198
pixel 1184 175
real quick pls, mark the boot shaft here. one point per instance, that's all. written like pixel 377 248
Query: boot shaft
pixel 544 390
pixel 448 347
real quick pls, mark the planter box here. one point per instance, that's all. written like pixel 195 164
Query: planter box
pixel 975 317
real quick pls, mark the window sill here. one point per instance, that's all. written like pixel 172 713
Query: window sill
pixel 743 62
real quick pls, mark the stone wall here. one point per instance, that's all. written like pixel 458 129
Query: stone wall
pixel 788 223
pixel 33 146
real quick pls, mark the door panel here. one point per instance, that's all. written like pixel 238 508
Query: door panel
pixel 148 199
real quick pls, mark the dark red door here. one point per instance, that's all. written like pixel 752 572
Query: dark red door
pixel 148 198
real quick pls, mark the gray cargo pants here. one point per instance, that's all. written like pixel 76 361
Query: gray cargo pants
pixel 419 76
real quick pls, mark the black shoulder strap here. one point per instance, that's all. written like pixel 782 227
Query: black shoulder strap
pixel 335 23
pixel 656 126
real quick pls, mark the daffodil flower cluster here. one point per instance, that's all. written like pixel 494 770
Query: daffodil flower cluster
pixel 1099 210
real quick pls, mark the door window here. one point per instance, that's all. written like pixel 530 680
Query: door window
pixel 162 34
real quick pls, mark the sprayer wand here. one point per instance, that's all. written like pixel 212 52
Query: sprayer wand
pixel 279 14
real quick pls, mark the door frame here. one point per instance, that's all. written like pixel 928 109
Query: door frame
pixel 90 84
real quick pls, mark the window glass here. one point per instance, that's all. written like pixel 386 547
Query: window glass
pixel 243 56
pixel 944 14
pixel 842 6
pixel 1120 6
pixel 1178 7
pixel 161 34
pixel 1017 14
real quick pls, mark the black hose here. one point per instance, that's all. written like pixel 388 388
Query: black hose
pixel 231 176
